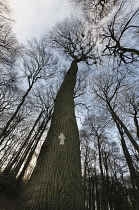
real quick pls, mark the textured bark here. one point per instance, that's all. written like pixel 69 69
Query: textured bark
pixel 56 181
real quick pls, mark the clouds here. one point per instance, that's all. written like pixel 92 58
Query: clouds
pixel 35 17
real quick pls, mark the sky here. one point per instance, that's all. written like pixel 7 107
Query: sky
pixel 32 18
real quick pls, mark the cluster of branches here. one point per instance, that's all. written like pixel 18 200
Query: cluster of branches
pixel 118 35
pixel 95 10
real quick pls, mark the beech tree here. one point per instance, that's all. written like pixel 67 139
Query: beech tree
pixel 37 62
pixel 56 180
pixel 104 166
pixel 97 126
pixel 109 89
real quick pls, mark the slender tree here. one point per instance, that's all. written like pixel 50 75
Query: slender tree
pixel 109 89
pixel 56 181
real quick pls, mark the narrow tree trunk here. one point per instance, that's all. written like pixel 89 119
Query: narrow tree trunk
pixel 85 180
pixel 93 192
pixel 97 192
pixel 36 138
pixel 56 181
pixel 116 118
pixel 136 121
pixel 90 193
pixel 21 150
pixel 107 181
pixel 134 180
pixel 104 194
pixel 5 132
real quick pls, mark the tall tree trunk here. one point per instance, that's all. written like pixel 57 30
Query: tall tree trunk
pixel 93 192
pixel 97 191
pixel 134 180
pixel 104 194
pixel 90 192
pixel 56 181
pixel 116 118
pixel 108 180
pixel 85 180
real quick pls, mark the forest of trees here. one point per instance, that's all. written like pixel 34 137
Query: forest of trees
pixel 69 110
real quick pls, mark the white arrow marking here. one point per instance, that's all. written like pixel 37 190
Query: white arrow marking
pixel 62 138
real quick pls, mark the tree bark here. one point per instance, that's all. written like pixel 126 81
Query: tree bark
pixel 56 181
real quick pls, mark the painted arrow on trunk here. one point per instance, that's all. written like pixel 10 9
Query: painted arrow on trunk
pixel 62 138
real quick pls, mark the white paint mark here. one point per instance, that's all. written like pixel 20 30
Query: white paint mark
pixel 62 138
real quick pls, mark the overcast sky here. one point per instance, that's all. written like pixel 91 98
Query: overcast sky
pixel 35 17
